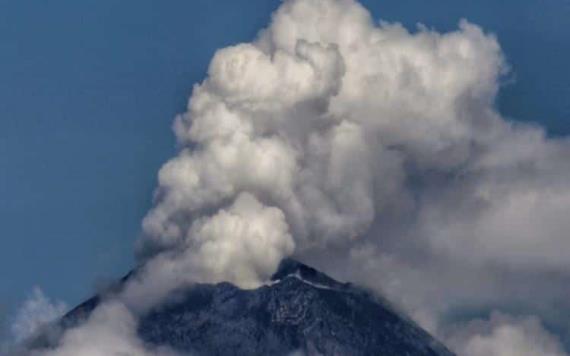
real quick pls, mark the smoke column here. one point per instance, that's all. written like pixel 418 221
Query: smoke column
pixel 372 152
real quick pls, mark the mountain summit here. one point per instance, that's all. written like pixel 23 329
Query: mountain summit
pixel 300 311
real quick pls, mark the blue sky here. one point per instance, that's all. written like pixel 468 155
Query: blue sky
pixel 88 91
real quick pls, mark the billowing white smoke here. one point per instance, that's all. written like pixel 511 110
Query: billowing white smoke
pixel 336 139
pixel 110 330
pixel 502 335
pixel 242 244
pixel 320 118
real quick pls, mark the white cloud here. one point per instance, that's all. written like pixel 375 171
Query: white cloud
pixel 503 335
pixel 37 311
pixel 110 330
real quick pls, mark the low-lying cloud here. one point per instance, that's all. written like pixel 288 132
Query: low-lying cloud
pixel 505 336
pixel 37 311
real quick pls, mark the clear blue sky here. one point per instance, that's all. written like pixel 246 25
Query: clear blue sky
pixel 88 91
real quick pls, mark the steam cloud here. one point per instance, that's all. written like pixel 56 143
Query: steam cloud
pixel 505 336
pixel 36 311
pixel 333 138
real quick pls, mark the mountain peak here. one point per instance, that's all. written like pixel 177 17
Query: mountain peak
pixel 290 268
pixel 302 309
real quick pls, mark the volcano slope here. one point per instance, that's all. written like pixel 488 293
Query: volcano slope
pixel 301 311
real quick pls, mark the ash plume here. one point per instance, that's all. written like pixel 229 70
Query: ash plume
pixel 372 152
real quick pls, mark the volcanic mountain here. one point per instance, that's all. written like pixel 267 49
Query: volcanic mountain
pixel 302 311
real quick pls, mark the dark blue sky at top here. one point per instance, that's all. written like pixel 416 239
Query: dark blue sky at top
pixel 88 91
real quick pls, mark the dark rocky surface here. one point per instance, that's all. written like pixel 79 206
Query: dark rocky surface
pixel 302 310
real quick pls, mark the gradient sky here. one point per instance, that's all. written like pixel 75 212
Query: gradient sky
pixel 88 91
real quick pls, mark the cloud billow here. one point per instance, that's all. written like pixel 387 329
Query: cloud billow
pixel 331 135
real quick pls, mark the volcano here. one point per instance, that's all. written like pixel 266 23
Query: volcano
pixel 301 311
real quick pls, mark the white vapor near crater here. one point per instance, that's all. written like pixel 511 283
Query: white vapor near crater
pixel 374 153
